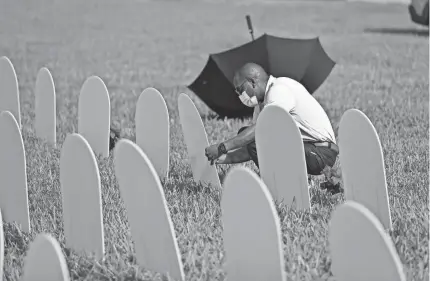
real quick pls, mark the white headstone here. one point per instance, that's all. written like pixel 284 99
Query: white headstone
pixel 359 248
pixel 45 261
pixel 151 226
pixel 251 229
pixel 94 115
pixel 196 141
pixel 9 91
pixel 362 164
pixel 153 129
pixel 281 157
pixel 81 197
pixel 45 106
pixel 13 173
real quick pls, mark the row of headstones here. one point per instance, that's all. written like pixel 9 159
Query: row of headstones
pixel 281 154
pixel 93 114
pixel 144 199
pixel 193 136
pixel 360 250
pixel 140 187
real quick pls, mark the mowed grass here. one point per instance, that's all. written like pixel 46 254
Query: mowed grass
pixel 132 45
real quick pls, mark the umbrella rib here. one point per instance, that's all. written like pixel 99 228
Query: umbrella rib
pixel 312 54
pixel 220 70
pixel 266 41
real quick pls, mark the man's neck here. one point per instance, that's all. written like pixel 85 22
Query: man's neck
pixel 270 80
pixel 267 87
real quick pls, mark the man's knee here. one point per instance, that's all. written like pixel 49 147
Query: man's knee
pixel 251 148
pixel 252 151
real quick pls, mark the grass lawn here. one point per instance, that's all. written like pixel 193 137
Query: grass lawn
pixel 382 69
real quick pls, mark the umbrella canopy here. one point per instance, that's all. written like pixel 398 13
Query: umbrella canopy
pixel 303 60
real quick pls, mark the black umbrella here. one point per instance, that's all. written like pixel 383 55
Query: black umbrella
pixel 303 60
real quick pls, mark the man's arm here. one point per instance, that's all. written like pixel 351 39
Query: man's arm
pixel 242 139
pixel 235 157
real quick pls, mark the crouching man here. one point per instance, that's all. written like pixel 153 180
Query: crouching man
pixel 256 89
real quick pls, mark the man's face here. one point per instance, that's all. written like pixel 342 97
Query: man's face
pixel 243 85
pixel 245 92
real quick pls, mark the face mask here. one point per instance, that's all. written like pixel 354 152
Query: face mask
pixel 246 100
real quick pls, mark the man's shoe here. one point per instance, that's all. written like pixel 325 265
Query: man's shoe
pixel 332 188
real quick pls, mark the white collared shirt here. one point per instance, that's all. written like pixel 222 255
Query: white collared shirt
pixel 310 117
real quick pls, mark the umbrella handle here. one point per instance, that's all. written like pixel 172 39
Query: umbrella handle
pixel 251 30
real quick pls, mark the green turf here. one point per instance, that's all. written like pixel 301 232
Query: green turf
pixel 135 44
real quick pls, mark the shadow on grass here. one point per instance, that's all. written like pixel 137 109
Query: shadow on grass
pixel 399 31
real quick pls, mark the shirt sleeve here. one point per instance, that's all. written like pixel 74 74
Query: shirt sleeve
pixel 279 95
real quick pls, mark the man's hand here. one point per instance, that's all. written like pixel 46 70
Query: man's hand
pixel 233 157
pixel 211 152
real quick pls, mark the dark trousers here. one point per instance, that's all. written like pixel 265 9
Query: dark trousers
pixel 317 157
